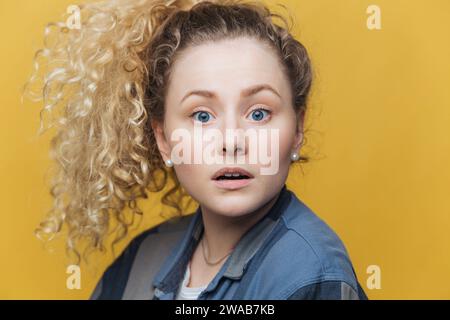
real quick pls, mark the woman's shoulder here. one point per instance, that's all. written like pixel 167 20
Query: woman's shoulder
pixel 316 255
pixel 312 234
pixel 124 274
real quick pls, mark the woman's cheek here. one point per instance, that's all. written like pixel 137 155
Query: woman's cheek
pixel 186 171
pixel 286 141
pixel 284 124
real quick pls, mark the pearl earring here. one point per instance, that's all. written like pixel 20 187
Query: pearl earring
pixel 169 163
pixel 295 156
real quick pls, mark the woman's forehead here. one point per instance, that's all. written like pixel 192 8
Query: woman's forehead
pixel 228 65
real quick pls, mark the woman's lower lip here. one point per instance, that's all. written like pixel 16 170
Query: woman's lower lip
pixel 231 184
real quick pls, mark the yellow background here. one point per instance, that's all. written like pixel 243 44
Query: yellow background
pixel 380 115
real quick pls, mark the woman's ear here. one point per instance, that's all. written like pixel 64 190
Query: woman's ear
pixel 161 141
pixel 299 133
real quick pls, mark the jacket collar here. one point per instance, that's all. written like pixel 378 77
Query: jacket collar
pixel 172 271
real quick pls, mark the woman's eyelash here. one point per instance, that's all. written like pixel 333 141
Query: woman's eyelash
pixel 261 108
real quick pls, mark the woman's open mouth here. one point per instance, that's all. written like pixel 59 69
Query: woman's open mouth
pixel 232 178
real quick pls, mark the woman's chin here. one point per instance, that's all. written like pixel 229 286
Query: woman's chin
pixel 236 208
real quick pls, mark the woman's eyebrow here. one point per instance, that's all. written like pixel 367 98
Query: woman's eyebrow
pixel 244 93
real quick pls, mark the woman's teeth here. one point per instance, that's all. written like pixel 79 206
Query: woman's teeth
pixel 232 176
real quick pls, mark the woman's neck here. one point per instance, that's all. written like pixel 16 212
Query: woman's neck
pixel 223 233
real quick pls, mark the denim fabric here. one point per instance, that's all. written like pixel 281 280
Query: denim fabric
pixel 288 254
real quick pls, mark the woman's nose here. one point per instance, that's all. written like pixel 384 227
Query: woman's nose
pixel 232 150
pixel 233 136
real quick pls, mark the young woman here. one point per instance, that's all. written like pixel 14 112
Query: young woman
pixel 142 72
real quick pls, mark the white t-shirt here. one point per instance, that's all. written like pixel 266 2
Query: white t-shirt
pixel 188 293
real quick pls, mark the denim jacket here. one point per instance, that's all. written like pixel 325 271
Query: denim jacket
pixel 290 253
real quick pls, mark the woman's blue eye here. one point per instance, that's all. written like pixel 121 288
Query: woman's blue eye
pixel 203 116
pixel 258 114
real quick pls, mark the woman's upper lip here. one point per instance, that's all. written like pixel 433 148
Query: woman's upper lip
pixel 222 171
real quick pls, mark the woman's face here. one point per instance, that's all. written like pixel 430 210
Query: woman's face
pixel 221 75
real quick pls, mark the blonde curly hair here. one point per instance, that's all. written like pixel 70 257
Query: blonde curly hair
pixel 108 79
